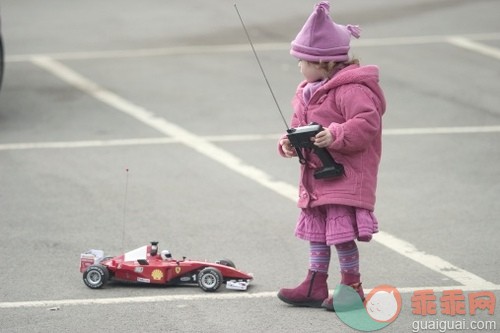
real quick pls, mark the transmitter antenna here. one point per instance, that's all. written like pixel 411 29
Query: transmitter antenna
pixel 260 66
pixel 124 210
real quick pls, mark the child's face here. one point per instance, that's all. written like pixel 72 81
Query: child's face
pixel 312 71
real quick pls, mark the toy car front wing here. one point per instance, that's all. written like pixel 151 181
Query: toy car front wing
pixel 237 285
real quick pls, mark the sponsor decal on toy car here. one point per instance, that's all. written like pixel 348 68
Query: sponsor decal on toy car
pixel 157 274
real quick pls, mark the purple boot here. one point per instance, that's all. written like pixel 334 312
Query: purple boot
pixel 311 292
pixel 351 280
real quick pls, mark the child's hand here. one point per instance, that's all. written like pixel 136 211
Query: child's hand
pixel 323 139
pixel 287 148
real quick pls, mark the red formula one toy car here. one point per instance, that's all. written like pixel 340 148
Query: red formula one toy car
pixel 146 265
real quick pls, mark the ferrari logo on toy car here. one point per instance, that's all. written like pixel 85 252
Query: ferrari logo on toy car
pixel 177 270
pixel 157 274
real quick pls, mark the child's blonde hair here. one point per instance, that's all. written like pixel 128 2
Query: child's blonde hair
pixel 332 67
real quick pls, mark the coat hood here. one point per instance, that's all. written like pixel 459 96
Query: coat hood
pixel 355 74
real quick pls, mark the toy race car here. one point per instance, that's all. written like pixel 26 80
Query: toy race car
pixel 146 265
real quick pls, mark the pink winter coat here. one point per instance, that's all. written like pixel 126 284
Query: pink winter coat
pixel 350 105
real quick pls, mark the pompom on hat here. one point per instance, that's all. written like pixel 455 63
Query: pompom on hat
pixel 321 39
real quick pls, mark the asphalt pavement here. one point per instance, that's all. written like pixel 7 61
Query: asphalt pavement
pixel 123 122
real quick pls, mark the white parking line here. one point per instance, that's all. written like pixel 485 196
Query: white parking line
pixel 85 144
pixel 138 299
pixel 231 48
pixel 441 130
pixel 468 44
pixel 433 262
pixel 232 138
pixel 169 129
pixel 200 297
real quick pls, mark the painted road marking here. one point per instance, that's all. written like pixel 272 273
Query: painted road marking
pixel 165 127
pixel 197 297
pixel 433 262
pixel 468 44
pixel 232 138
pixel 234 48
pixel 85 144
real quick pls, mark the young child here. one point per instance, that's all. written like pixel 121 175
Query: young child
pixel 347 101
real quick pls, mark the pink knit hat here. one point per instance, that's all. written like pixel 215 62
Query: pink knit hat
pixel 321 39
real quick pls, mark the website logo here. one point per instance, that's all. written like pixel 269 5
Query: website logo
pixel 380 308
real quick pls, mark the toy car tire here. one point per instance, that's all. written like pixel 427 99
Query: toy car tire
pixel 209 279
pixel 96 276
pixel 226 262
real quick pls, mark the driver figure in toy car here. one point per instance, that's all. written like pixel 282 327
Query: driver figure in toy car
pixel 166 255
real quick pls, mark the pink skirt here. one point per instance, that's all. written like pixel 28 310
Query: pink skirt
pixel 336 224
